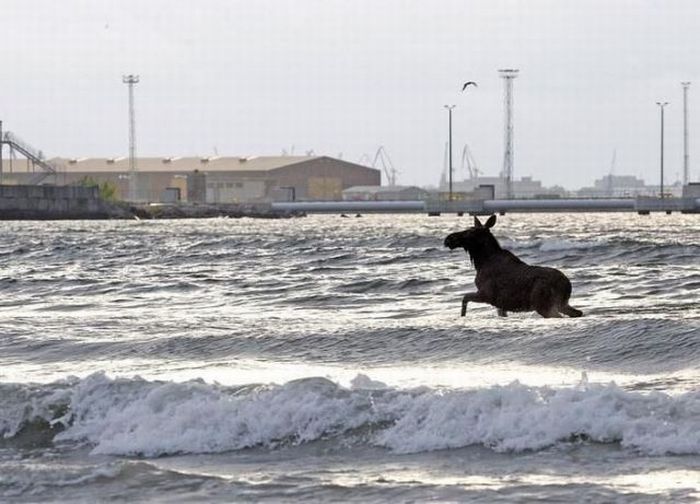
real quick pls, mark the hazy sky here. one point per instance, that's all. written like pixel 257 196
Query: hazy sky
pixel 255 77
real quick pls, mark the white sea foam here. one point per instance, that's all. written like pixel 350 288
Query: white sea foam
pixel 135 416
pixel 103 471
pixel 552 245
pixel 193 417
pixel 362 381
pixel 517 417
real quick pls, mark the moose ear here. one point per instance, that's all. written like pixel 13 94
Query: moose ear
pixel 492 220
pixel 477 222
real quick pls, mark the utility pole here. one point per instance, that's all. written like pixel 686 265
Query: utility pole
pixel 449 169
pixel 508 75
pixel 661 184
pixel 686 177
pixel 130 80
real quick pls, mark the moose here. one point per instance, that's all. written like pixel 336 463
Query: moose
pixel 507 283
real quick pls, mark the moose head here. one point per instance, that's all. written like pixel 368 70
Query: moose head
pixel 473 238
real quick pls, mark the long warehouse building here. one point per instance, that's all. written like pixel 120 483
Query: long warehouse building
pixel 210 179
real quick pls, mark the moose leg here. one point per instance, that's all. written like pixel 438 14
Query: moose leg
pixel 543 300
pixel 472 296
pixel 502 312
pixel 571 311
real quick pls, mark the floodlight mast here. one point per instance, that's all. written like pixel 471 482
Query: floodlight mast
pixel 130 80
pixel 686 174
pixel 508 74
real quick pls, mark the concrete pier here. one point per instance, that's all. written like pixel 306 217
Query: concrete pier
pixel 47 202
pixel 489 206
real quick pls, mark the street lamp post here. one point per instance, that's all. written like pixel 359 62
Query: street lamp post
pixel 661 185
pixel 449 113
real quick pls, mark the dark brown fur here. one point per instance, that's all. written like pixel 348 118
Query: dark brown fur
pixel 504 281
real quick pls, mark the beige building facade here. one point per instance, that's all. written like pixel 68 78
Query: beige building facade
pixel 212 179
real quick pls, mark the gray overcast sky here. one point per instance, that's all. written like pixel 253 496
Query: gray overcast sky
pixel 254 77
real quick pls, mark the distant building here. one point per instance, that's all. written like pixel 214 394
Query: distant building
pixel 384 193
pixel 213 179
pixel 615 186
pixel 526 187
pixel 483 192
pixel 626 186
pixel 692 190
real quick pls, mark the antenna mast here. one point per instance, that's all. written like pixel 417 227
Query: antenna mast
pixel 508 75
pixel 130 80
pixel 686 179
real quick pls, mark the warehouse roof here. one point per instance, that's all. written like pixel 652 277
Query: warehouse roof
pixel 184 164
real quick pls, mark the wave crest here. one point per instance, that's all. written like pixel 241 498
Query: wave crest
pixel 150 418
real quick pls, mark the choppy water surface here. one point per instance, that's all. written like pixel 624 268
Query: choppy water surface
pixel 324 358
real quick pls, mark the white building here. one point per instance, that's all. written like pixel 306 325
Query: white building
pixel 625 186
pixel 526 187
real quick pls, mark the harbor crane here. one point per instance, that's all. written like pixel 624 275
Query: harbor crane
pixel 469 163
pixel 387 166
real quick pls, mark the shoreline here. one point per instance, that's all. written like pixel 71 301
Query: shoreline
pixel 125 211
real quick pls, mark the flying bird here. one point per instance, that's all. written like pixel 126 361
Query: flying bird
pixel 469 83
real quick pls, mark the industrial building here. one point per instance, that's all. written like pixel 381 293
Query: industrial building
pixel 526 187
pixel 626 186
pixel 209 179
pixel 384 193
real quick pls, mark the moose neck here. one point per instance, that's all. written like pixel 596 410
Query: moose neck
pixel 481 252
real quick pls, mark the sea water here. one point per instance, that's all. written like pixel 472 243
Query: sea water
pixel 324 359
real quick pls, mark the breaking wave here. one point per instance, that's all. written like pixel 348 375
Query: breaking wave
pixel 133 416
